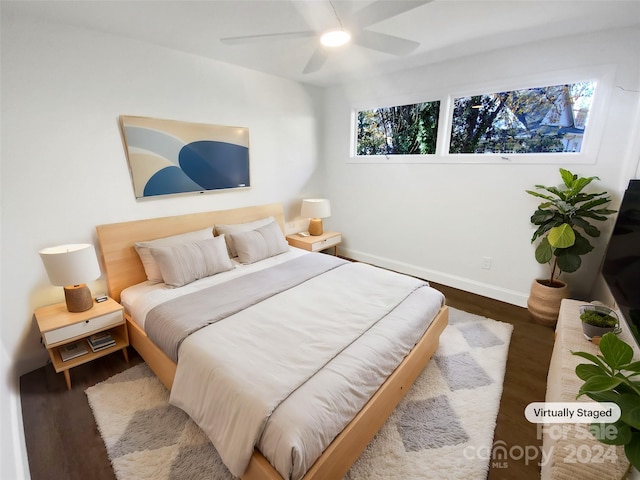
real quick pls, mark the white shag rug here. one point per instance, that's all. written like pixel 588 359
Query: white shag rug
pixel 439 430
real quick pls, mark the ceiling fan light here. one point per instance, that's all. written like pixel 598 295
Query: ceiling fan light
pixel 335 38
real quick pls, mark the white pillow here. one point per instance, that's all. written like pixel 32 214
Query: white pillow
pixel 229 230
pixel 187 262
pixel 261 243
pixel 149 263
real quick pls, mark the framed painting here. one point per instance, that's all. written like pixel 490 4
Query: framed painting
pixel 169 157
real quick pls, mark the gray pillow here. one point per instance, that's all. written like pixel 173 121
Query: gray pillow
pixel 230 230
pixel 261 243
pixel 187 262
pixel 144 249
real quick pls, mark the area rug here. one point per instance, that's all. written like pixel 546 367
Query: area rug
pixel 439 430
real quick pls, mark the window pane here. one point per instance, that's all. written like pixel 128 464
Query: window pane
pixel 401 130
pixel 536 120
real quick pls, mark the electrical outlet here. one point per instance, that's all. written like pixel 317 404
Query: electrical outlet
pixel 486 263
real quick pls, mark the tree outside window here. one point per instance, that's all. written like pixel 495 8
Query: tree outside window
pixel 399 130
pixel 548 119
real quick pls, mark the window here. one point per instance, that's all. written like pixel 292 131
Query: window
pixel 399 130
pixel 553 117
pixel 550 119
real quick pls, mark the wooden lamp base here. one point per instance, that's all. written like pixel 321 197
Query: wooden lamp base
pixel 78 298
pixel 315 226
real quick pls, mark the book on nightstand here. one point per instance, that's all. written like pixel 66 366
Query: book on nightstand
pixel 72 350
pixel 100 341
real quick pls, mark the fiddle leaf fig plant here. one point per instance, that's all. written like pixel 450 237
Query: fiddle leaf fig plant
pixel 614 377
pixel 562 218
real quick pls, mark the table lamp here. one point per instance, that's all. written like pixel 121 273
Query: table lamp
pixel 71 266
pixel 315 209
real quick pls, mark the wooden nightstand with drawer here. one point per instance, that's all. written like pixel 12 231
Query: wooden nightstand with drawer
pixel 315 243
pixel 66 333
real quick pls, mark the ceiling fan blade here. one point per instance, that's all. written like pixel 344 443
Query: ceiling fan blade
pixel 316 61
pixel 385 43
pixel 267 36
pixel 383 9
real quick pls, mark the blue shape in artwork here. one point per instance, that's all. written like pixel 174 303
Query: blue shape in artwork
pixel 170 180
pixel 216 165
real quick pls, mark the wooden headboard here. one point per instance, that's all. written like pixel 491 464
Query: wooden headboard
pixel 120 259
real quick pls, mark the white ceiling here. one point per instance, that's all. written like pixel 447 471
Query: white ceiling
pixel 444 28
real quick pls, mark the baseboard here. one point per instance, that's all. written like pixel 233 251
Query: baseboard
pixel 486 290
pixel 14 460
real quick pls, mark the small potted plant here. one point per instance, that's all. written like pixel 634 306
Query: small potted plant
pixel 598 320
pixel 613 376
pixel 564 223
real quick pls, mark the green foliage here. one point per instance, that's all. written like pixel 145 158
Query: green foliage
pixel 473 121
pixel 564 213
pixel 613 377
pixel 518 121
pixel 598 319
pixel 405 129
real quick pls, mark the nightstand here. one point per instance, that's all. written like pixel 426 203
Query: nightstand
pixel 61 329
pixel 315 243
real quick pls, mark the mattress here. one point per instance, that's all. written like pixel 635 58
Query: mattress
pixel 308 418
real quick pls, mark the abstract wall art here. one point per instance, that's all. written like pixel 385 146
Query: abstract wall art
pixel 169 157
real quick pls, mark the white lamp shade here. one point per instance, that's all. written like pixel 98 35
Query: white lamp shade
pixel 315 208
pixel 72 264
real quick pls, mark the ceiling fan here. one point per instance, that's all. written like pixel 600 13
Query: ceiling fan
pixel 355 31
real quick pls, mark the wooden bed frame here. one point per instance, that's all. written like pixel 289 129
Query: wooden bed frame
pixel 124 268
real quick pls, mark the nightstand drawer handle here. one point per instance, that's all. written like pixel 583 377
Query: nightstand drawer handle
pixel 326 243
pixel 83 327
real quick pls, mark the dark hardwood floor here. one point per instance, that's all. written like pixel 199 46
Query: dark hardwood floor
pixel 525 382
pixel 63 441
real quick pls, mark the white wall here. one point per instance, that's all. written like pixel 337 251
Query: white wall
pixel 438 220
pixel 64 169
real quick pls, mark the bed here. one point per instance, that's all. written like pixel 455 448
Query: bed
pixel 329 457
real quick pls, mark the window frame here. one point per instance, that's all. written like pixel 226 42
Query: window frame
pixel 389 102
pixel 603 76
pixel 354 129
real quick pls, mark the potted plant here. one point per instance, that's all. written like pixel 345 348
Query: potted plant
pixel 613 376
pixel 564 225
pixel 598 320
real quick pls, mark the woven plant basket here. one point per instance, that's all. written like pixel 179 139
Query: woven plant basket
pixel 544 301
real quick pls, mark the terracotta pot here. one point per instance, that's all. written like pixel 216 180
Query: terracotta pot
pixel 544 301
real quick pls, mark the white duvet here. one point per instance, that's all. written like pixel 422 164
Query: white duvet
pixel 252 380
